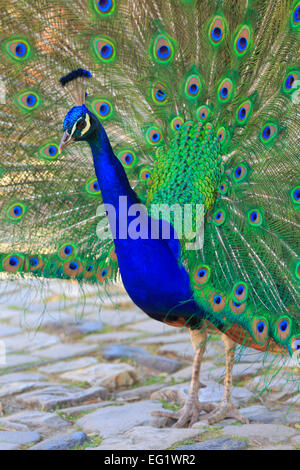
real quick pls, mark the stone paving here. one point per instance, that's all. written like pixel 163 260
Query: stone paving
pixel 79 373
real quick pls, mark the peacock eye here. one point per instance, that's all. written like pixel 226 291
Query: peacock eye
pixel 81 124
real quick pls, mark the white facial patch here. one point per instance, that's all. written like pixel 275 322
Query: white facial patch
pixel 86 128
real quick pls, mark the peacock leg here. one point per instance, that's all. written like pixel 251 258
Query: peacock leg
pixel 227 408
pixel 189 414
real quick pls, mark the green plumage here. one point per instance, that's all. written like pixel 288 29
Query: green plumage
pixel 200 100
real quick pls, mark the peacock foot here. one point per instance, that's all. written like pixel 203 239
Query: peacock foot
pixel 189 414
pixel 225 410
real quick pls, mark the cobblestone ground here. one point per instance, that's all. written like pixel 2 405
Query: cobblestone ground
pixel 80 374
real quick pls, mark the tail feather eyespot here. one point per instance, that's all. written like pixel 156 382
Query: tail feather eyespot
pixel 16 212
pixel 104 7
pixel 103 108
pixel 193 87
pixel 295 18
pixel 18 49
pixel 92 187
pixel 159 93
pixel 260 330
pixel 225 90
pixel 202 275
pixel 217 302
pixel 29 100
pixel 239 173
pixel 217 30
pixel 255 217
pixel 291 81
pixel 145 175
pixel 219 217
pixel 13 263
pixel 240 292
pixel 283 328
pixel 105 49
pixel 177 123
pixel 73 268
pixel 242 41
pixel 237 307
pixel 127 157
pixel 154 136
pixel 67 250
pixel 243 113
pixel 203 113
pixel 269 133
pixel 295 196
pixel 163 49
pixel 89 271
pixel 49 151
pixel 35 263
pixel 103 273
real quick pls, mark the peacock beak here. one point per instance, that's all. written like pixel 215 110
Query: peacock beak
pixel 65 140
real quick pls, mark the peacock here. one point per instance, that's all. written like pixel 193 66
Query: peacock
pixel 191 105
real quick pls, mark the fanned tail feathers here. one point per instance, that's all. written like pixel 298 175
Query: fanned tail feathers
pixel 220 78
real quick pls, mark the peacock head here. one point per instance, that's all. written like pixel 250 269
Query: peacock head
pixel 79 125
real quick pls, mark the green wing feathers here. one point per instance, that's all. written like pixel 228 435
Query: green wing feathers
pixel 200 100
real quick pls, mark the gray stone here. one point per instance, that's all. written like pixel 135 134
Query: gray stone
pixel 241 371
pixel 14 360
pixel 119 351
pixel 22 377
pixel 35 419
pixel 212 392
pixel 7 330
pixel 280 447
pixel 269 384
pixel 66 366
pixel 152 327
pixel 65 351
pixel 9 446
pixel 139 393
pixel 296 440
pixel 15 388
pixel 54 397
pixel 114 337
pixel 249 355
pixel 185 374
pixel 113 420
pixel 112 376
pixel 142 357
pixel 264 433
pixel 20 438
pixel 147 438
pixel 62 441
pixel 294 401
pixel 83 409
pixel 180 350
pixel 120 317
pixel 283 415
pixel 186 351
pixel 165 339
pixel 73 327
pixel 35 320
pixel 216 444
pixel 30 342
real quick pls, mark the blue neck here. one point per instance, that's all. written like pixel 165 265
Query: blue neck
pixel 110 173
pixel 150 268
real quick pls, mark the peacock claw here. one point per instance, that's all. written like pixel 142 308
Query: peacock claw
pixel 225 410
pixel 188 415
